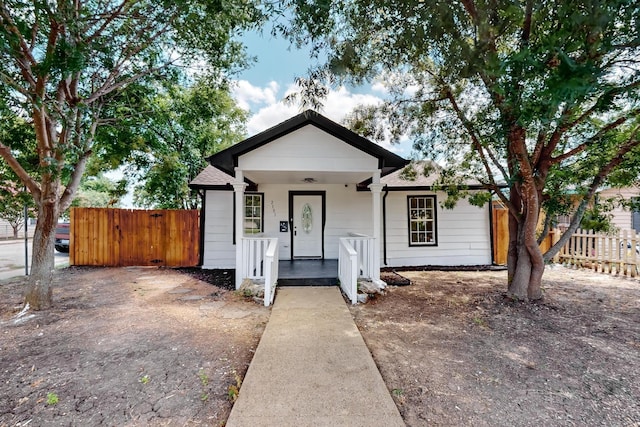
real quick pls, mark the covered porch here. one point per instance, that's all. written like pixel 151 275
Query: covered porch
pixel 356 261
pixel 307 189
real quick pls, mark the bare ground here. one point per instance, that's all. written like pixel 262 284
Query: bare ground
pixel 148 346
pixel 130 346
pixel 454 351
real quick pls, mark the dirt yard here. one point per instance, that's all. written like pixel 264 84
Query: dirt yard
pixel 148 347
pixel 455 352
pixel 131 346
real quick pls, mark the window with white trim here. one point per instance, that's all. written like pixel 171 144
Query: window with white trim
pixel 422 221
pixel 253 213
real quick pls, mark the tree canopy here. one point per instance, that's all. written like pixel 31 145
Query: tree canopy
pixel 181 127
pixel 13 195
pixel 540 96
pixel 70 67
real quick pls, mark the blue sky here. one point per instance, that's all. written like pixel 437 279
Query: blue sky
pixel 261 88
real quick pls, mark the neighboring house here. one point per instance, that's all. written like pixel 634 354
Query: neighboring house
pixel 6 230
pixel 623 218
pixel 310 182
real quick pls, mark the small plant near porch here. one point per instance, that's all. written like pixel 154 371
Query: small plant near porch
pixel 252 290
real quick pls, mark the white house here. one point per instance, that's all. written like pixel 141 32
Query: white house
pixel 310 189
pixel 623 218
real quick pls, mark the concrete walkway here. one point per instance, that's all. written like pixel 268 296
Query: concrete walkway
pixel 312 368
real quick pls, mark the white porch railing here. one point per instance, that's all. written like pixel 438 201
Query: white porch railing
pixel 363 245
pixel 271 259
pixel 348 269
pixel 355 260
pixel 260 262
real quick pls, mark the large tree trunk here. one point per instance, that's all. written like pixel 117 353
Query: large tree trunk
pixel 525 261
pixel 39 293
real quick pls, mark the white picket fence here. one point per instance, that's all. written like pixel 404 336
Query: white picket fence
pixel 616 253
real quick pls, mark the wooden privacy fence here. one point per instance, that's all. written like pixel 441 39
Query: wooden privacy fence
pixel 617 253
pixel 124 237
pixel 500 218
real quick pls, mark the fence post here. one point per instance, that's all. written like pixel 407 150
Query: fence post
pixel 634 254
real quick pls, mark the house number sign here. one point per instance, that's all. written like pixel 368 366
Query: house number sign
pixel 307 218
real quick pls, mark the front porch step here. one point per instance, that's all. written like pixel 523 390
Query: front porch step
pixel 308 281
pixel 320 272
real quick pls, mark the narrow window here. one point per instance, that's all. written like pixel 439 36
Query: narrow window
pixel 422 221
pixel 253 214
pixel 635 215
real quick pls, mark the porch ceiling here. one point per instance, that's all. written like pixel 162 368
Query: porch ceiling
pixel 307 177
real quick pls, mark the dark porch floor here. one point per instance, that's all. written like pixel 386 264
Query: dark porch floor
pixel 310 272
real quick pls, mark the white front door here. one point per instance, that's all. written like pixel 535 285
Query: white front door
pixel 307 226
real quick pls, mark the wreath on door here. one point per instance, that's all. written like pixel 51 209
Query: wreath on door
pixel 307 218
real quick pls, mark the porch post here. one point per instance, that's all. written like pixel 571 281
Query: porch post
pixel 238 189
pixel 376 189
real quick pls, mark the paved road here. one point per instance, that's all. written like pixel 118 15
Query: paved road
pixel 12 258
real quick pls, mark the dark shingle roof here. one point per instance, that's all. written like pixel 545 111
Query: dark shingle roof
pixel 226 160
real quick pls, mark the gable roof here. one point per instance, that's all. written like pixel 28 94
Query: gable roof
pixel 226 160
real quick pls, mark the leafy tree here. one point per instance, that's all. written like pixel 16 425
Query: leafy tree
pixel 13 201
pixel 99 192
pixel 183 126
pixel 13 196
pixel 538 95
pixel 66 66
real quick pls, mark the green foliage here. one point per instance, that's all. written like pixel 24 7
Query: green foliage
pixel 100 191
pixel 83 67
pixel 52 399
pixel 409 173
pixel 181 128
pixel 204 378
pixel 597 220
pixel 541 96
pixel 480 198
pixel 13 197
pixel 74 67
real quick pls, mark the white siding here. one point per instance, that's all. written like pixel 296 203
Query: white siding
pixel 463 234
pixel 307 149
pixel 219 250
pixel 347 211
pixel 621 218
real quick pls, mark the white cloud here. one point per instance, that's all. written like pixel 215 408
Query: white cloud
pixel 269 108
pixel 380 87
pixel 249 96
pixel 269 116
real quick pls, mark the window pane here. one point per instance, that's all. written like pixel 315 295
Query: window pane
pixel 252 213
pixel 421 221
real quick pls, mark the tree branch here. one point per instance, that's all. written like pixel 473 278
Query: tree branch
pixel 583 146
pixel 615 161
pixel 32 185
pixel 478 147
pixel 526 25
pixel 110 17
